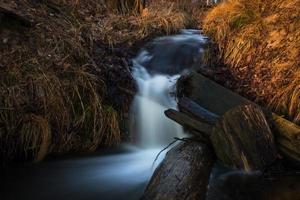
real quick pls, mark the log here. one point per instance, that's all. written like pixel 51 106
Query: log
pixel 242 139
pixel 192 108
pixel 287 136
pixel 212 96
pixel 189 122
pixel 183 174
pixel 219 100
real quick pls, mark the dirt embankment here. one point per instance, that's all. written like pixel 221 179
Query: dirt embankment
pixel 64 66
pixel 259 42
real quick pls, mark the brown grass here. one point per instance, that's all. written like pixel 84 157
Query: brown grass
pixel 259 41
pixel 159 18
pixel 125 6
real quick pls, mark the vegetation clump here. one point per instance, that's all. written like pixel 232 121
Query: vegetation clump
pixel 260 41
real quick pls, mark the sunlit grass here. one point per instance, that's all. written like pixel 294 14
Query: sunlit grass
pixel 262 52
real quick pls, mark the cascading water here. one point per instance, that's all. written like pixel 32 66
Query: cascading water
pixel 121 175
pixel 153 128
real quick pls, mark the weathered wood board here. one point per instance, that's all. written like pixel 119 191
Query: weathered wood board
pixel 187 121
pixel 213 96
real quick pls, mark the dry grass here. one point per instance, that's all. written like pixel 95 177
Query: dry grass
pixel 51 95
pixel 159 18
pixel 125 6
pixel 259 41
pixel 53 90
pixel 196 10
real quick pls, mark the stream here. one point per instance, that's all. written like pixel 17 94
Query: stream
pixel 120 173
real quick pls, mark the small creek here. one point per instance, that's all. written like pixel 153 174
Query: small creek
pixel 120 173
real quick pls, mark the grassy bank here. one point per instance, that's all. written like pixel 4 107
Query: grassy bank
pixel 62 66
pixel 260 41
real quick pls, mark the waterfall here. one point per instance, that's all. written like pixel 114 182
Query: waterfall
pixel 154 96
pixel 156 70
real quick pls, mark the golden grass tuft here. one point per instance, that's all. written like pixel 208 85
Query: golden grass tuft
pixel 259 41
pixel 51 112
pixel 35 136
pixel 113 134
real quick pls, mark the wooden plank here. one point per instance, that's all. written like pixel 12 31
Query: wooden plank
pixel 190 107
pixel 213 96
pixel 290 131
pixel 189 122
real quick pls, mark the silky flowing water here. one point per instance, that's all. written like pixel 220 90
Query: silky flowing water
pixel 121 173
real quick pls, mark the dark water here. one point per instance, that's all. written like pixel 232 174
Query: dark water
pixel 108 175
pixel 121 174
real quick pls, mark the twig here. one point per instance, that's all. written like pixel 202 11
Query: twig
pixel 175 140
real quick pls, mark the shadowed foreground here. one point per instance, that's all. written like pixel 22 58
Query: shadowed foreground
pixel 104 177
